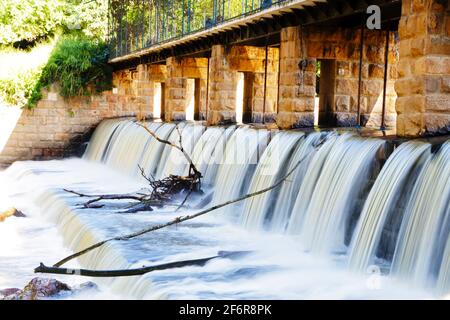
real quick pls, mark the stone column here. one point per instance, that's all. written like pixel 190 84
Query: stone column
pixel 175 91
pixel 297 82
pixel 178 71
pixel 222 88
pixel 423 86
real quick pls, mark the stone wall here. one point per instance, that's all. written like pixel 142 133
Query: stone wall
pixel 55 128
pixel 178 73
pixel 423 88
pixel 225 64
pixel 299 52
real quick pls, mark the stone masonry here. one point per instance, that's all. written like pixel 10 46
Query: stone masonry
pixel 423 87
pixel 225 64
pixel 300 50
pixel 55 126
pixel 178 71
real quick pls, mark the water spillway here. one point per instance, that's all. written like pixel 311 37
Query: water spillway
pixel 345 208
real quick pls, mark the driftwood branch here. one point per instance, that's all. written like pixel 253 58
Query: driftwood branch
pixel 192 168
pixel 138 271
pixel 183 218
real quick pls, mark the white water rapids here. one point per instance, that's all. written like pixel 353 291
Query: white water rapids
pixel 336 210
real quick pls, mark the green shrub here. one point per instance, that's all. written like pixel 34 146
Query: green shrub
pixel 25 21
pixel 18 90
pixel 79 65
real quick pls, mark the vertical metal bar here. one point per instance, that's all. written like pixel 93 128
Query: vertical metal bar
pixel 278 80
pixel 265 81
pixel 361 51
pixel 207 93
pixel 182 18
pixel 386 62
pixel 189 17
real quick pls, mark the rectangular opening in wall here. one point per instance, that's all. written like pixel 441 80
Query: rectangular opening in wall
pixel 325 84
pixel 192 99
pixel 163 101
pixel 197 100
pixel 239 97
pixel 158 100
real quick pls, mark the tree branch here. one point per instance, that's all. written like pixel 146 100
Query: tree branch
pixel 179 147
pixel 183 218
pixel 138 271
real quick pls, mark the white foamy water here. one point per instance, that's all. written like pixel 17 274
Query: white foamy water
pixel 278 265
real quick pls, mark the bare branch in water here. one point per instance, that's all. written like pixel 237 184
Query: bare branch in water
pixel 184 218
pixel 192 168
pixel 138 271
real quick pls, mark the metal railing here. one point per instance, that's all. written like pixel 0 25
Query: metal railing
pixel 134 25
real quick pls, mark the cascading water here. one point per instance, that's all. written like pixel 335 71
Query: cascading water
pixel 344 174
pixel 154 149
pixel 98 144
pixel 425 226
pixel 240 157
pixel 307 187
pixel 208 152
pixel 382 201
pixel 269 170
pixel 288 191
pixel 335 187
pixel 126 150
pixel 174 162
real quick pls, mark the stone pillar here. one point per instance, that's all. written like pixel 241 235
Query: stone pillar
pixel 297 82
pixel 423 86
pixel 222 88
pixel 154 73
pixel 178 71
pixel 224 68
pixel 175 91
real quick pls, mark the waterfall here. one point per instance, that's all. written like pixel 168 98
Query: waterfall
pixel 344 174
pixel 306 190
pixel 382 201
pixel 100 139
pixel 270 168
pixel 443 282
pixel 342 203
pixel 208 152
pixel 289 190
pixel 153 150
pixel 127 149
pixel 425 226
pixel 172 160
pixel 240 157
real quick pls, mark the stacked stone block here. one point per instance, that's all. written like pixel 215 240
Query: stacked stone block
pixel 423 87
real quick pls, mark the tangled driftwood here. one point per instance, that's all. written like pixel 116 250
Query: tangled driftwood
pixel 105 273
pixel 161 191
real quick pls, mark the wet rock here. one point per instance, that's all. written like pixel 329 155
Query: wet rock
pixel 5 293
pixel 43 288
pixel 19 214
pixel 10 213
pixel 39 288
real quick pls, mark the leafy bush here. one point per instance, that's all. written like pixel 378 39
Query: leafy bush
pixel 18 90
pixel 25 21
pixel 89 17
pixel 79 65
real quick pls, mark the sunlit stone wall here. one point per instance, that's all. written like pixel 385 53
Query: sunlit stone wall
pixel 57 127
pixel 423 87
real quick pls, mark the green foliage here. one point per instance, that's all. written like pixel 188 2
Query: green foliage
pixel 79 65
pixel 18 90
pixel 25 21
pixel 88 17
